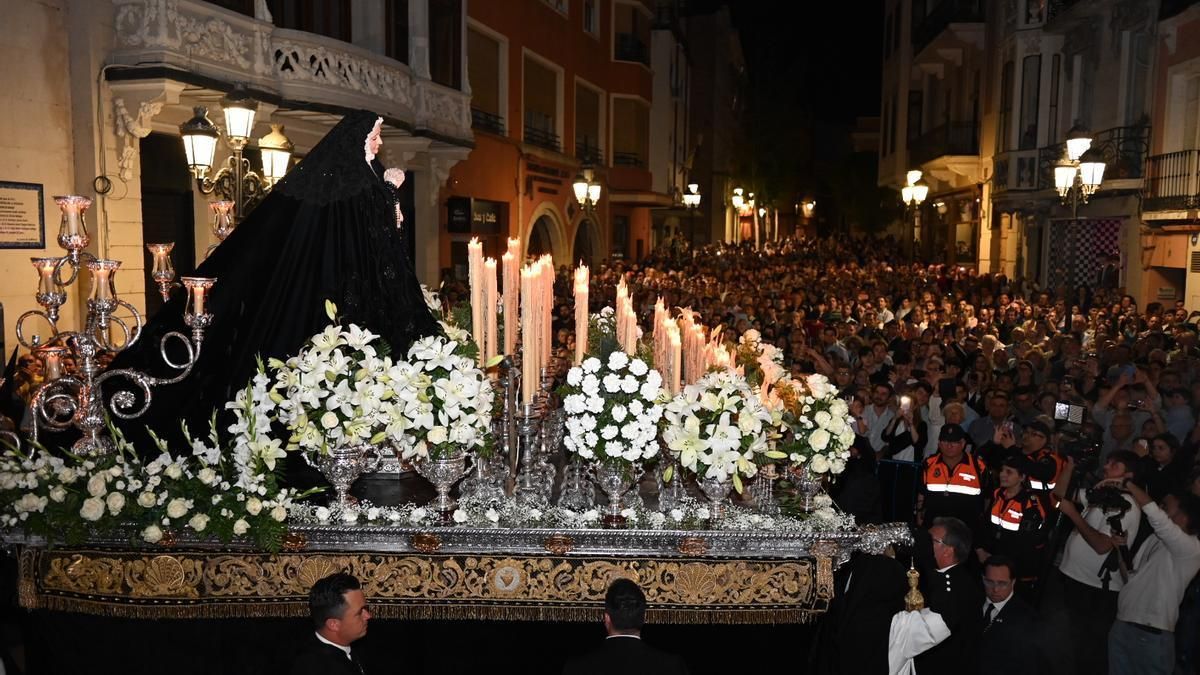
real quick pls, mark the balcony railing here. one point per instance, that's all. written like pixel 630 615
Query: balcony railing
pixel 1057 8
pixel 628 159
pixel 630 48
pixel 541 138
pixel 1124 150
pixel 588 154
pixel 954 138
pixel 1172 181
pixel 305 68
pixel 946 12
pixel 483 120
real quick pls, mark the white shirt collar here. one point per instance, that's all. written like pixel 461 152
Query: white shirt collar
pixel 333 644
pixel 943 570
pixel 624 635
pixel 998 605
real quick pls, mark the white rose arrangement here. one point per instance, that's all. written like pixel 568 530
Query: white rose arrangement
pixel 200 488
pixel 718 428
pixel 613 409
pixel 820 429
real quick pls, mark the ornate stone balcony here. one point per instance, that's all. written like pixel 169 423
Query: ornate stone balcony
pixel 299 68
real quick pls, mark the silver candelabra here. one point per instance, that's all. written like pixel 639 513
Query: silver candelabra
pixel 77 399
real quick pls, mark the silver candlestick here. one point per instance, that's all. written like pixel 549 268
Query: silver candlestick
pixel 528 488
pixel 77 399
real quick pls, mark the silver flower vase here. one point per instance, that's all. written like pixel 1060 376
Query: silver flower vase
pixel 717 492
pixel 615 481
pixel 443 473
pixel 343 465
pixel 808 487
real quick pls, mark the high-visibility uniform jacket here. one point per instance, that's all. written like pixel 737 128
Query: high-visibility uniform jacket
pixel 956 491
pixel 1017 528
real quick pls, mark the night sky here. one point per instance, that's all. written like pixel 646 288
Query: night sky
pixel 821 59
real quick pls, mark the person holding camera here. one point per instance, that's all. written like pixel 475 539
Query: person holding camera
pixel 1142 639
pixel 1043 464
pixel 1091 571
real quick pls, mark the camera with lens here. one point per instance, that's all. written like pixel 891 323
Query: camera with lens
pixel 1135 405
pixel 1081 447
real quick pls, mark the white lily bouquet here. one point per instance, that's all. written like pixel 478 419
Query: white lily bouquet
pixel 718 428
pixel 337 391
pixel 821 431
pixel 613 409
pixel 444 399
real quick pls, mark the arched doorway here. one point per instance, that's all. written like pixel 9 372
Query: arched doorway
pixel 586 248
pixel 540 242
pixel 547 233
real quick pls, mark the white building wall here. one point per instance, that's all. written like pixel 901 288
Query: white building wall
pixel 35 137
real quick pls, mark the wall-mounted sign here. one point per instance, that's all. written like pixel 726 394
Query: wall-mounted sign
pixel 475 216
pixel 458 215
pixel 22 215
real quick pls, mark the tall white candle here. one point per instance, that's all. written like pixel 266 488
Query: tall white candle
pixel 528 337
pixel 582 277
pixel 489 307
pixel 475 279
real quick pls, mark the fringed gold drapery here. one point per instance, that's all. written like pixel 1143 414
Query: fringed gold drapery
pixel 177 584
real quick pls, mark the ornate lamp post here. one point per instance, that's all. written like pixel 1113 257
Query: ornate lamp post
pixel 691 200
pixel 587 190
pixel 913 194
pixel 235 182
pixel 1080 172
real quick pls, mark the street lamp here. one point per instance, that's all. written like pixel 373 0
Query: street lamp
pixel 913 194
pixel 235 181
pixel 587 190
pixel 1079 173
pixel 691 200
pixel 738 199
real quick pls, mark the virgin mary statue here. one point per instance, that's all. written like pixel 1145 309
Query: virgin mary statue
pixel 329 230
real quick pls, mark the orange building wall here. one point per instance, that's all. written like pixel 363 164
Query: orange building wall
pixel 497 168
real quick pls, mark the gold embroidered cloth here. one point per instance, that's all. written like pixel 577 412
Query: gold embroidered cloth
pixel 174 583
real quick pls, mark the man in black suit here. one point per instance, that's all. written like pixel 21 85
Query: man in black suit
pixel 339 612
pixel 623 651
pixel 854 634
pixel 1008 641
pixel 952 591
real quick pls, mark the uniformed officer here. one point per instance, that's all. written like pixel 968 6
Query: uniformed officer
pixel 952 481
pixel 1016 526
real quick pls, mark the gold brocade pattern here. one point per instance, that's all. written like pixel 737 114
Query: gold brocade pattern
pixel 186 584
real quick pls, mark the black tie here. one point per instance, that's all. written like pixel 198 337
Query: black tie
pixel 987 614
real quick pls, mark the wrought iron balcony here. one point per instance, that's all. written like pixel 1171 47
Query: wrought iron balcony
pixel 1172 182
pixel 542 138
pixel 483 120
pixel 927 28
pixel 628 159
pixel 1057 8
pixel 588 154
pixel 630 48
pixel 1124 150
pixel 954 138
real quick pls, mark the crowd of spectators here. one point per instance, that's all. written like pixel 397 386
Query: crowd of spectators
pixel 1058 423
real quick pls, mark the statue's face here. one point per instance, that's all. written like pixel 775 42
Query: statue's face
pixel 374 140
